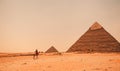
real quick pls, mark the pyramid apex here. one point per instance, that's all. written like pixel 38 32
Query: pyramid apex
pixel 52 47
pixel 95 26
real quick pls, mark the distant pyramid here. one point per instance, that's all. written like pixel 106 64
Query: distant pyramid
pixel 51 49
pixel 96 39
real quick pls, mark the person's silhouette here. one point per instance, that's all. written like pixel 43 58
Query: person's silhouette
pixel 36 54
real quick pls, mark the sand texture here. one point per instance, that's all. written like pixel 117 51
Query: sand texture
pixel 65 62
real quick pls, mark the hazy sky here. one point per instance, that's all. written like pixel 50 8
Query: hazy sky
pixel 26 25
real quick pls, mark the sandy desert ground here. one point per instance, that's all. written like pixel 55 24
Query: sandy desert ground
pixel 65 62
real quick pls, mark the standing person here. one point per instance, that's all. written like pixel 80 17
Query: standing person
pixel 36 53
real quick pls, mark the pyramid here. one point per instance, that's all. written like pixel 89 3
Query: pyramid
pixel 96 39
pixel 51 50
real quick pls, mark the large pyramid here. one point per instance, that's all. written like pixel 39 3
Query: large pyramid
pixel 51 50
pixel 96 39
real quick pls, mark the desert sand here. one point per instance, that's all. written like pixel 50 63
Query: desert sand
pixel 64 62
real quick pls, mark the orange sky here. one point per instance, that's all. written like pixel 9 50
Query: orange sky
pixel 26 25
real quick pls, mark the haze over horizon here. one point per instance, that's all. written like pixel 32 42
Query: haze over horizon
pixel 27 25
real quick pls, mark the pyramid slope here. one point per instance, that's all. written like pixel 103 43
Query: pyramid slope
pixel 97 40
pixel 51 49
